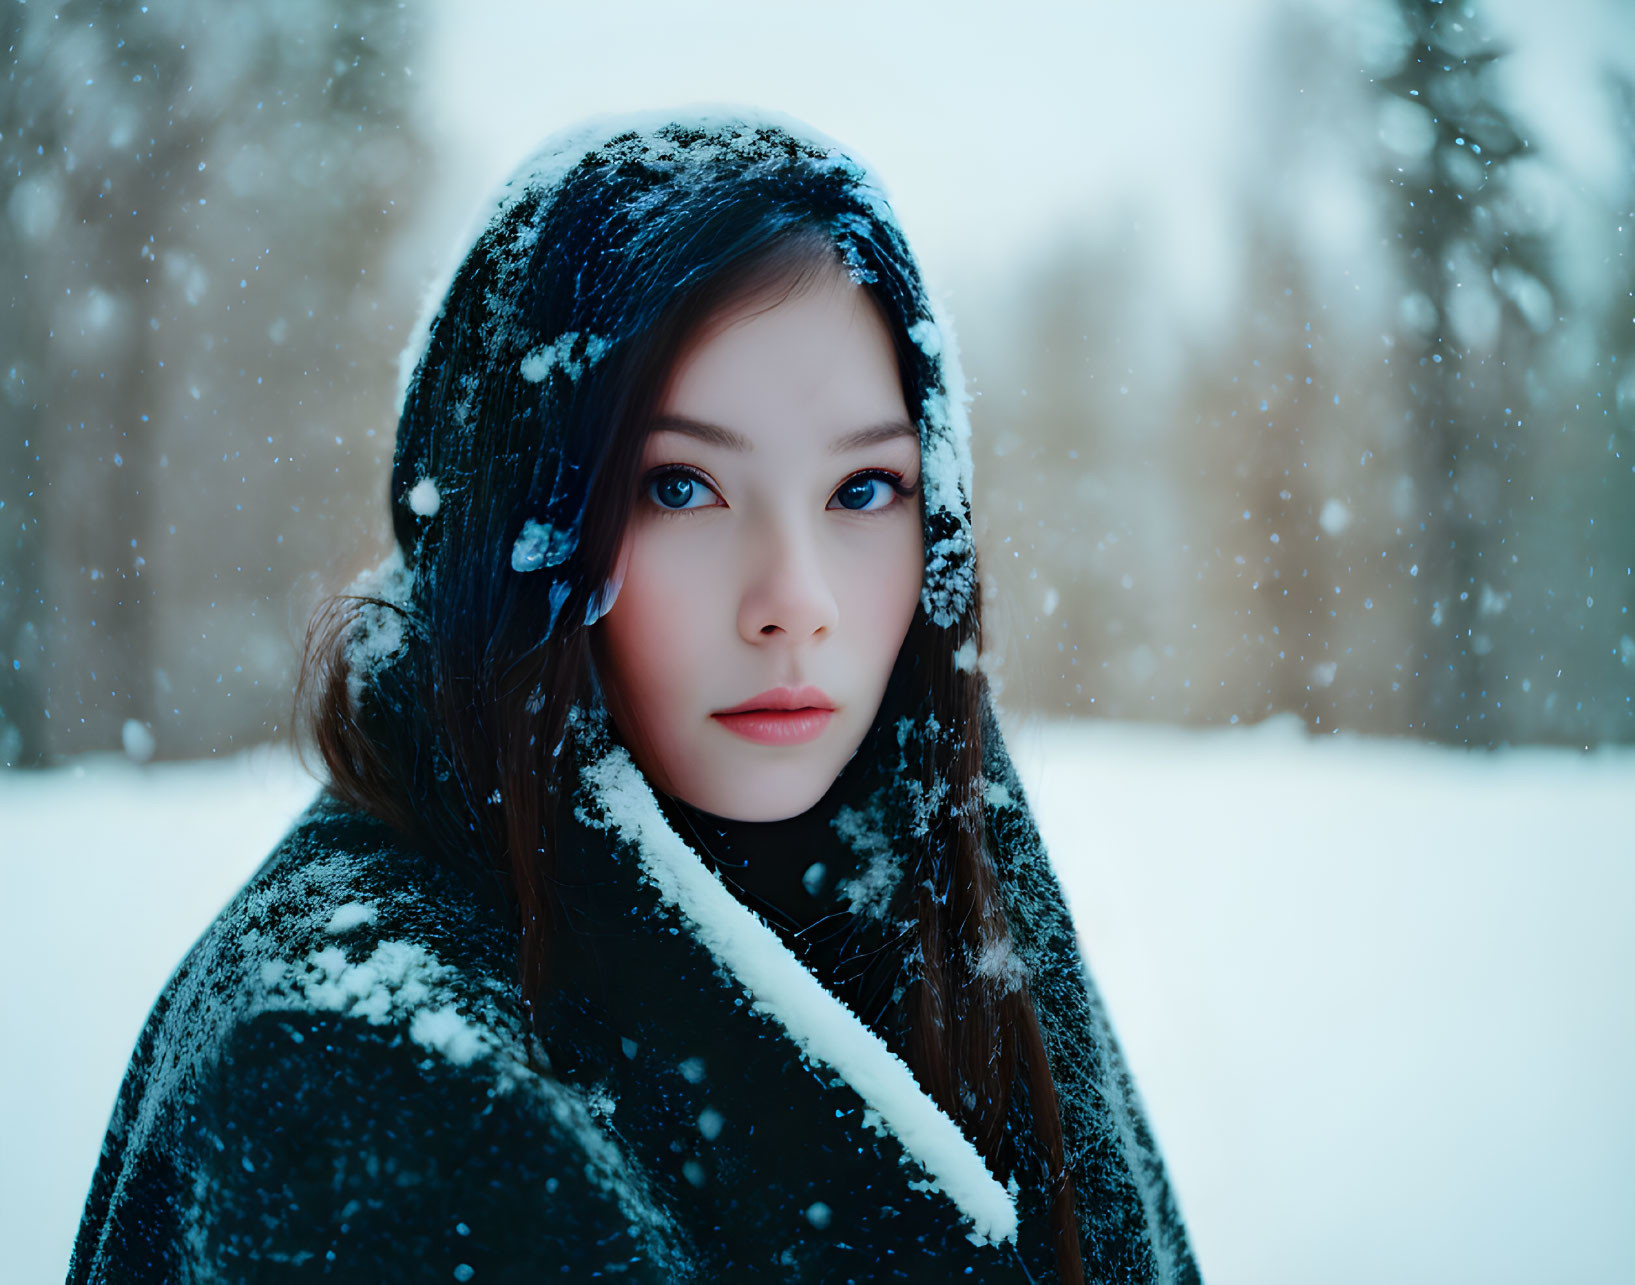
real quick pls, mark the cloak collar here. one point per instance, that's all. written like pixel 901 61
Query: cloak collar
pixel 617 798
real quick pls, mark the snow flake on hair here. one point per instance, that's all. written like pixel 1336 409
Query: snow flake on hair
pixel 945 451
pixel 572 353
pixel 379 633
pixel 950 579
pixel 423 498
pixel 1000 963
pixel 848 227
pixel 541 545
pixel 864 830
pixel 923 803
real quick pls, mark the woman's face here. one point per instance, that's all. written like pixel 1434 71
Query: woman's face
pixel 773 559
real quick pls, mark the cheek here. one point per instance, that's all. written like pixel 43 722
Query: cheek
pixel 885 590
pixel 650 637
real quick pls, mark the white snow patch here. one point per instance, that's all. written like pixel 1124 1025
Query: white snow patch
pixel 399 981
pixel 558 355
pixel 601 1101
pixel 378 634
pixel 998 961
pixel 395 980
pixel 540 545
pixel 945 458
pixel 423 498
pixel 870 890
pixel 949 578
pixel 443 1030
pixel 388 580
pixel 350 916
pixel 782 987
pixel 379 638
pixel 925 333
pixel 951 481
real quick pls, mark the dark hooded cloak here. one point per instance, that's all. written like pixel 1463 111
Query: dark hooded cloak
pixel 339 1078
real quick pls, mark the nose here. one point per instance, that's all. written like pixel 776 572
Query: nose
pixel 787 593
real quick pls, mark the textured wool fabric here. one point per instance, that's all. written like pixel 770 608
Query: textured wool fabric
pixel 341 1078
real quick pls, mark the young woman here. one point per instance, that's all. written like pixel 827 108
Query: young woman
pixel 673 910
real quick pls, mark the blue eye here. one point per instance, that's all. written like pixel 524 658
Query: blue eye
pixel 865 493
pixel 677 491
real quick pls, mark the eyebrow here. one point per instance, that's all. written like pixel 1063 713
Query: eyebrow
pixel 728 439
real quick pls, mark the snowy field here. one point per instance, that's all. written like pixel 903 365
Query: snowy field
pixel 1377 995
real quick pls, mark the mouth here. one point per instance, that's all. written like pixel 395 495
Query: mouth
pixel 782 716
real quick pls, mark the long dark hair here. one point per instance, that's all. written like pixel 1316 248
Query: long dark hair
pixel 442 705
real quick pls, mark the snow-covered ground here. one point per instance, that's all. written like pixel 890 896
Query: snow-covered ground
pixel 1377 995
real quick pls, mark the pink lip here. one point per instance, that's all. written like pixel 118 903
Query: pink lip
pixel 783 698
pixel 782 716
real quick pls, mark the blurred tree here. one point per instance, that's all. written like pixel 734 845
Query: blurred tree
pixel 1075 523
pixel 199 191
pixel 1198 523
pixel 1261 427
pixel 1614 670
pixel 1297 466
pixel 1478 295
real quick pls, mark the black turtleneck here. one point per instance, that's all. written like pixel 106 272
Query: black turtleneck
pixel 790 873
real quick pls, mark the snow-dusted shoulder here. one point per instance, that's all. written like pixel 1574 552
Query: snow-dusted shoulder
pixel 338 1072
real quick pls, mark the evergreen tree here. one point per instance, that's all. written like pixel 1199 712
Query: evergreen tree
pixel 1478 296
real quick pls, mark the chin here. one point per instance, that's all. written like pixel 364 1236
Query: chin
pixel 758 796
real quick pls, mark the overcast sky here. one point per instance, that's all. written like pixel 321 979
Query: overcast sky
pixel 998 128
pixel 991 125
